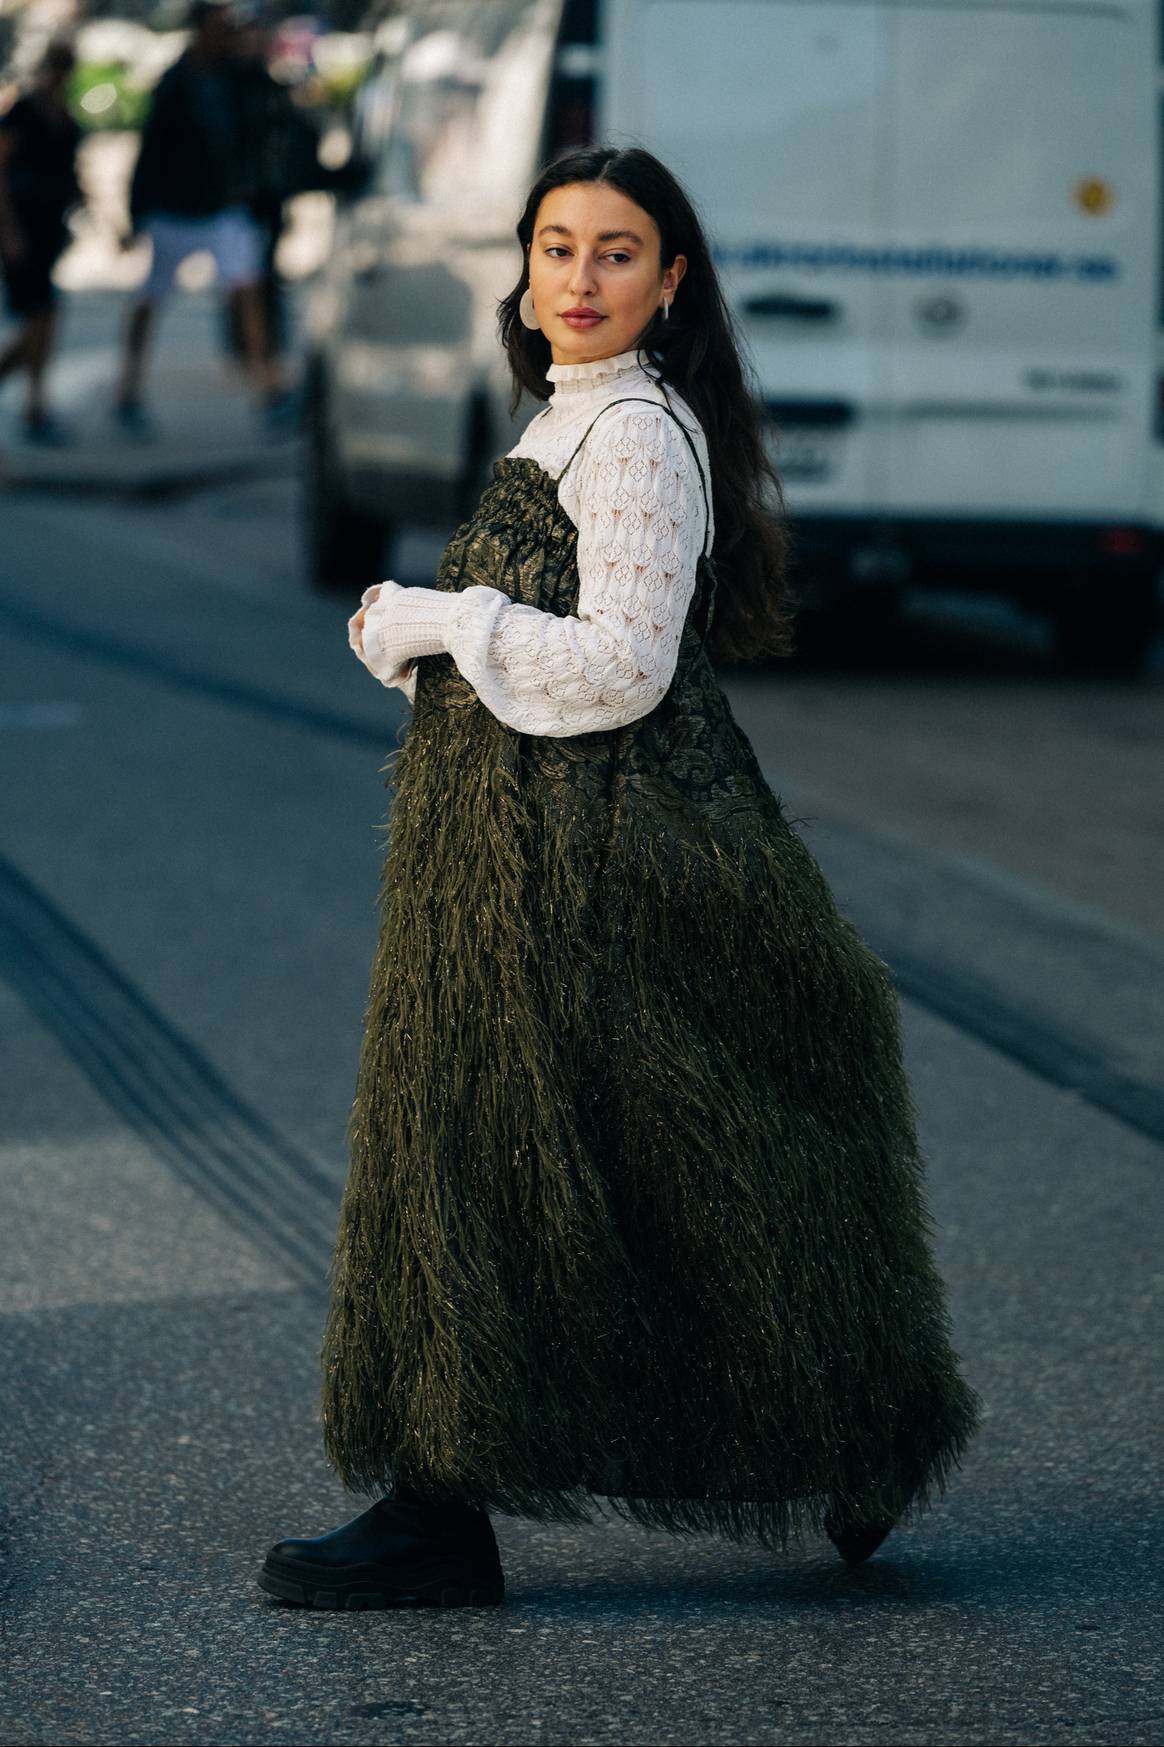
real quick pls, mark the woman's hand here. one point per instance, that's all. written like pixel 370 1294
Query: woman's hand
pixel 356 622
pixel 356 634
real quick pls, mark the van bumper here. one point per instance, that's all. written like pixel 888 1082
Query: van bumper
pixel 1038 561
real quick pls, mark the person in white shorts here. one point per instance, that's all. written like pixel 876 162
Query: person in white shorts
pixel 230 236
pixel 186 198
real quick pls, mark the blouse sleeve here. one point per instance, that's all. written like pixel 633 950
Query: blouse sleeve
pixel 636 498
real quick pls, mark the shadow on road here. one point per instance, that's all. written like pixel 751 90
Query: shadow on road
pixel 1086 1563
pixel 945 635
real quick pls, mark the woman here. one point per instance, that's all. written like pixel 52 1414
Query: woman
pixel 635 1199
pixel 38 188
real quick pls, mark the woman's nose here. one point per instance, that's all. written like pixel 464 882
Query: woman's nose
pixel 582 278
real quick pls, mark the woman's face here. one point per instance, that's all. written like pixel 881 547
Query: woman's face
pixel 595 273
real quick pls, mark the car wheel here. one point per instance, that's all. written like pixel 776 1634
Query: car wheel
pixel 344 546
pixel 1107 623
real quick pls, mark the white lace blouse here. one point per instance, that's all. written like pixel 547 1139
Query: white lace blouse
pixel 635 497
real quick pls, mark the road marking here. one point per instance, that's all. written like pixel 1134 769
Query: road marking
pixel 182 676
pixel 63 715
pixel 163 1087
pixel 1040 1045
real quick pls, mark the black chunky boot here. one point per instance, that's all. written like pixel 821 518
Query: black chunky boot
pixel 403 1552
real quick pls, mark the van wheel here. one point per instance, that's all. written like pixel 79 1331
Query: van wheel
pixel 344 546
pixel 870 619
pixel 479 458
pixel 1107 624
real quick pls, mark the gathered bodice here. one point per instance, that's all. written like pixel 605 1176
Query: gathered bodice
pixel 623 475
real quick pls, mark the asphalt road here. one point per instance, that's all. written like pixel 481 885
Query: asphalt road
pixel 192 795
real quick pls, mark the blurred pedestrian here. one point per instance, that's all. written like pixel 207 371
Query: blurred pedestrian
pixel 188 194
pixel 38 190
pixel 281 159
pixel 635 1201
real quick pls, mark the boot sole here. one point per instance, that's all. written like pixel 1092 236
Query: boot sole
pixel 341 1590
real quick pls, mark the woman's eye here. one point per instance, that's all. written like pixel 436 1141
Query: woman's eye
pixel 618 256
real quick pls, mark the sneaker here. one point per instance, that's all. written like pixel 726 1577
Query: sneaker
pixel 400 1553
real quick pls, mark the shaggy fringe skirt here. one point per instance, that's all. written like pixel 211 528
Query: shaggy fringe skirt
pixel 636 1207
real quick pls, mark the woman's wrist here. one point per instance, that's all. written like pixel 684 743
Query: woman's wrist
pixel 401 624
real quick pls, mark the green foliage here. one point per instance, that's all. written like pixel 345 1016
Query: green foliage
pixel 340 84
pixel 103 97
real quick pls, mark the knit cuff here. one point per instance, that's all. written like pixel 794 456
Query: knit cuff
pixel 403 623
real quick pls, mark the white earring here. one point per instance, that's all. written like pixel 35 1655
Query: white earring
pixel 667 311
pixel 526 310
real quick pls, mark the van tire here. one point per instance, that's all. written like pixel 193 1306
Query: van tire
pixel 869 619
pixel 1106 624
pixel 479 457
pixel 344 546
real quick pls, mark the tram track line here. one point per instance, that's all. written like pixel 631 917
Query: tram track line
pixel 163 1087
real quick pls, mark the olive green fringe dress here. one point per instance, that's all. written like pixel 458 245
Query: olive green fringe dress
pixel 635 1208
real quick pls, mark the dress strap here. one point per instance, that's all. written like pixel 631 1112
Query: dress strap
pixel 623 399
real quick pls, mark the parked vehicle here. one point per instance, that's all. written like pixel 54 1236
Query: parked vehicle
pixel 938 226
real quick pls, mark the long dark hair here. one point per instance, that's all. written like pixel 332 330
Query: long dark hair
pixel 697 352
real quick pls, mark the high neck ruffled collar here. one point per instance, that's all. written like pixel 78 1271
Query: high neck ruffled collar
pixel 568 378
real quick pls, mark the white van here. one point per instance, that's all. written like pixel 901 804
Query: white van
pixel 938 225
